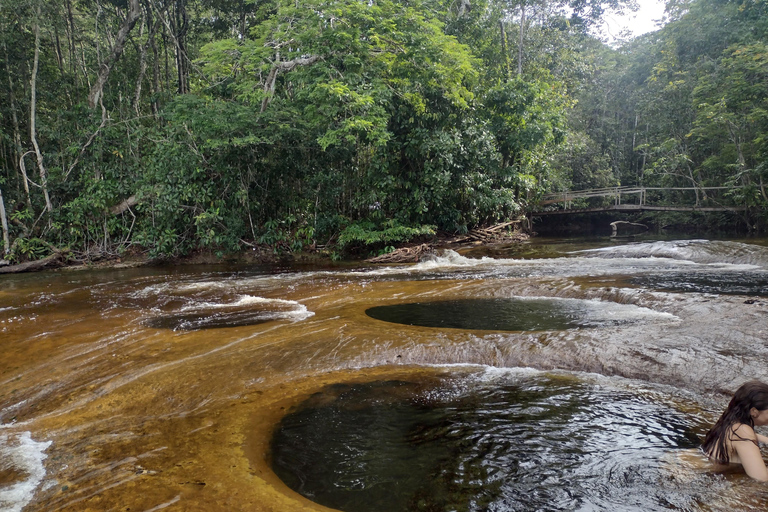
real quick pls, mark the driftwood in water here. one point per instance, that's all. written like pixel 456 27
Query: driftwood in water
pixel 627 226
pixel 55 260
pixel 415 253
pixel 485 234
pixel 403 255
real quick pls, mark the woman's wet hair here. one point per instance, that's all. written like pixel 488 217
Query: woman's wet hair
pixel 749 395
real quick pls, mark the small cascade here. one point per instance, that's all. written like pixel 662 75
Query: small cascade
pixel 696 251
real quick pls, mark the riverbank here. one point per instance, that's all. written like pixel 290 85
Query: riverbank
pixel 410 252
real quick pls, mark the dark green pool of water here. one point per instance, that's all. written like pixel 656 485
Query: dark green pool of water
pixel 503 314
pixel 521 444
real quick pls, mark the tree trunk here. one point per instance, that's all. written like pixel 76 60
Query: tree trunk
pixel 155 57
pixel 634 144
pixel 16 130
pixel 32 114
pixel 71 38
pixel 182 61
pixel 142 70
pixel 57 48
pixel 269 86
pixel 124 205
pixel 143 64
pixel 179 26
pixel 522 38
pixel 166 31
pixel 242 20
pixel 4 222
pixel 504 53
pixel 117 49
pixel 83 66
pixel 464 7
pixel 55 260
pixel 176 28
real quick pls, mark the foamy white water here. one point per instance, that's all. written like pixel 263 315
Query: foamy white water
pixel 449 264
pixel 697 251
pixel 289 309
pixel 595 312
pixel 21 454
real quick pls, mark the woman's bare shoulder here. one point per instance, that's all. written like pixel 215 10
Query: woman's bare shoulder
pixel 742 432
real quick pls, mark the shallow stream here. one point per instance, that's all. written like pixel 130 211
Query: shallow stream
pixel 549 375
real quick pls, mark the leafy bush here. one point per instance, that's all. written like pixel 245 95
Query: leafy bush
pixel 28 249
pixel 367 235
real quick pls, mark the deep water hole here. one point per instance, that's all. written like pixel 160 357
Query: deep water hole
pixel 498 440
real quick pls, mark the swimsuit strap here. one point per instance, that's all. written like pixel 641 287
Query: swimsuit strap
pixel 739 438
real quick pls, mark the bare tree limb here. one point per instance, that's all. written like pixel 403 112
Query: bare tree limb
pixel 464 7
pixel 124 205
pixel 285 66
pixel 117 49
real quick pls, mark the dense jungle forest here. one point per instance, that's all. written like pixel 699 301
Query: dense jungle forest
pixel 165 127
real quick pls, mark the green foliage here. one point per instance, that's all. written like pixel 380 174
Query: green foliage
pixel 370 235
pixel 28 249
pixel 286 235
pixel 524 115
pixel 682 107
pixel 364 124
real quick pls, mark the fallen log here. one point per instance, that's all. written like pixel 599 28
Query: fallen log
pixel 55 260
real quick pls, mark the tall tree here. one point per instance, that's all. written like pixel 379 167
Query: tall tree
pixel 33 111
pixel 105 67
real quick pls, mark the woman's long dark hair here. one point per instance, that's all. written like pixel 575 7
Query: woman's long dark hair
pixel 749 395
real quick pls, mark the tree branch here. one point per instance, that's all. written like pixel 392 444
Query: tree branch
pixel 285 66
pixel 124 205
pixel 117 49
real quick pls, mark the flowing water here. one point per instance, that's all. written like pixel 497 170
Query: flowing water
pixel 551 375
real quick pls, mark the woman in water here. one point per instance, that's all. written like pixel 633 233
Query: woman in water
pixel 733 439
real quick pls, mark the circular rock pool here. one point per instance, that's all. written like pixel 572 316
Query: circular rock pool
pixel 501 441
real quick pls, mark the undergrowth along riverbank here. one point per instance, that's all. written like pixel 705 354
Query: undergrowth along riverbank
pixel 409 251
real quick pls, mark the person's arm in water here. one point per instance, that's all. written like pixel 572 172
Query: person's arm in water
pixel 749 453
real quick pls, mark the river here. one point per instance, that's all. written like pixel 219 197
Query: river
pixel 546 375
